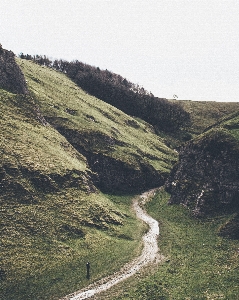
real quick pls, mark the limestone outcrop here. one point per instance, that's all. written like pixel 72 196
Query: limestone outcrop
pixel 11 76
pixel 206 178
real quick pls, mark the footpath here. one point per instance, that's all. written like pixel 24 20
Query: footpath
pixel 149 255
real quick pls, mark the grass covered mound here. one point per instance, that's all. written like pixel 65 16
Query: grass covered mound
pixel 53 219
pixel 34 157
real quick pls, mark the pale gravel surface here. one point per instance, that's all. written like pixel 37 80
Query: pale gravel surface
pixel 150 254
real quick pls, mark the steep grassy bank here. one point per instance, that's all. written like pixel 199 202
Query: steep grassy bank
pixel 206 113
pixel 125 153
pixel 46 246
pixel 206 177
pixel 53 218
pixel 201 265
pixel 116 90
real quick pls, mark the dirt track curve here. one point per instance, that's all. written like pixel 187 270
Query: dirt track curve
pixel 150 254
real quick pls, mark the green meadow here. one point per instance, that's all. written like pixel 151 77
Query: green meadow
pixel 199 264
pixel 207 113
pixel 46 245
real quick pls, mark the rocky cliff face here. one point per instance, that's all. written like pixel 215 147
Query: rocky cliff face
pixel 113 175
pixel 206 178
pixel 11 76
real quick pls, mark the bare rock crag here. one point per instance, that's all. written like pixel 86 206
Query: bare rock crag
pixel 206 178
pixel 11 76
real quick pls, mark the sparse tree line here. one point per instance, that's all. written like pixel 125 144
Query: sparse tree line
pixel 119 92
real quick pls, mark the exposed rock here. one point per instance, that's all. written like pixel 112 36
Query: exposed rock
pixel 71 111
pixel 111 175
pixel 24 185
pixel 132 123
pixel 11 76
pixel 206 178
pixel 39 115
pixel 231 228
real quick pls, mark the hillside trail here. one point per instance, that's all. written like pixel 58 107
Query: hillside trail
pixel 150 254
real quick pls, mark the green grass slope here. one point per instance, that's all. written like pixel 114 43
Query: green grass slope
pixel 200 264
pixel 206 113
pixel 53 219
pixel 104 134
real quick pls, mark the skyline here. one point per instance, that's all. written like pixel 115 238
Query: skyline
pixel 187 48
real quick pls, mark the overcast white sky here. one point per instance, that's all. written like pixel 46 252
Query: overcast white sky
pixel 185 47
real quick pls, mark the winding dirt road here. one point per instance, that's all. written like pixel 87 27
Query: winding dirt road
pixel 150 254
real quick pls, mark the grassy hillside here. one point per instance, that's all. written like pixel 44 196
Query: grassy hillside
pixel 206 177
pixel 200 264
pixel 53 219
pixel 94 127
pixel 118 91
pixel 206 113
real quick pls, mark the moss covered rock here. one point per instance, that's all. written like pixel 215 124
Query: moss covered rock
pixel 206 178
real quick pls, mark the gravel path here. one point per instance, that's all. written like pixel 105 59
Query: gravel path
pixel 150 254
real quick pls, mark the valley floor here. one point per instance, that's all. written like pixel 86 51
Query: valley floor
pixel 150 254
